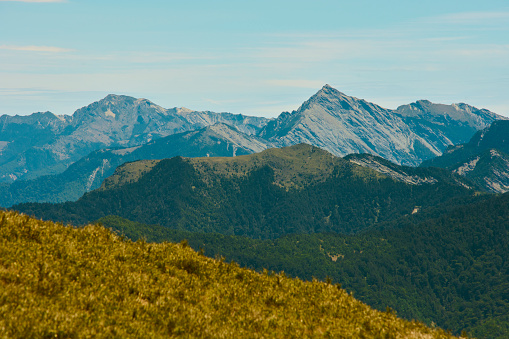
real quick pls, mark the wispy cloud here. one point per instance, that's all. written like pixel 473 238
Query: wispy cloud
pixel 35 0
pixel 48 49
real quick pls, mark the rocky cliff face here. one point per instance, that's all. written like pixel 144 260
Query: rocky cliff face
pixel 489 170
pixel 342 125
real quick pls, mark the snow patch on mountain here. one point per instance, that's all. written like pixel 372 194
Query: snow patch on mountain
pixel 109 113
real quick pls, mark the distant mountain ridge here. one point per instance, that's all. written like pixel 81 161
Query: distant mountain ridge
pixel 44 144
pixel 89 172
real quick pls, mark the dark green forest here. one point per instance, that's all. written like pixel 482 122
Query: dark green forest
pixel 175 194
pixel 452 270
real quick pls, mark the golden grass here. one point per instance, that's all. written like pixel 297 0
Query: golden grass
pixel 63 282
pixel 294 166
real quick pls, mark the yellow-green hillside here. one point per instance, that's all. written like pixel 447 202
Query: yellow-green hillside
pixel 65 282
pixel 294 167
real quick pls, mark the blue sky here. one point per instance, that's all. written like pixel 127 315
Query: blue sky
pixel 252 57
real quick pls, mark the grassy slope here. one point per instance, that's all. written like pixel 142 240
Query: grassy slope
pixel 58 281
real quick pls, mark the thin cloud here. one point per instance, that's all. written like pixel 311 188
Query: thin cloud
pixel 477 16
pixel 47 49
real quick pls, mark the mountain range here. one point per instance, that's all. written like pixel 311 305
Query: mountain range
pixel 420 240
pixel 48 158
pixel 426 240
pixel 44 143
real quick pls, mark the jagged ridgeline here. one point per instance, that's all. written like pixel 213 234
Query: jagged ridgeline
pixel 49 158
pixel 297 189
pixel 58 281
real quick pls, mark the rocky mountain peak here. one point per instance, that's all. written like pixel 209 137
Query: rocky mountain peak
pixel 329 94
pixel 112 99
pixel 472 116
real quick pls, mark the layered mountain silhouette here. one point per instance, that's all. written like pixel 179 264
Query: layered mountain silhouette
pixel 484 159
pixel 89 172
pixel 45 144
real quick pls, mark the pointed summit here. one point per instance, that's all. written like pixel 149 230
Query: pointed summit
pixel 333 100
pixel 343 124
pixel 328 90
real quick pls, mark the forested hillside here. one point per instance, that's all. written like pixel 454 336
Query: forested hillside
pixel 298 189
pixel 450 270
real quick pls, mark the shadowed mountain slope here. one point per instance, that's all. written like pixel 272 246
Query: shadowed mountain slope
pixel 484 160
